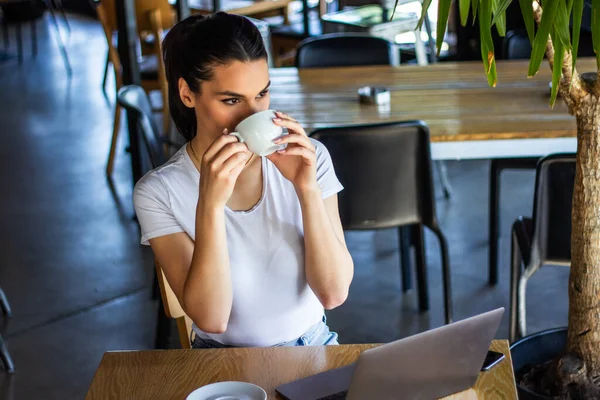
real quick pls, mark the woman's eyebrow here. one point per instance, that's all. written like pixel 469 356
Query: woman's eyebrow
pixel 238 95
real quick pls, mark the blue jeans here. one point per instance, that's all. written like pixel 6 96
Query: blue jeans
pixel 317 335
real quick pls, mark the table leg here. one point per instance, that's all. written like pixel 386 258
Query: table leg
pixel 305 20
pixel 420 51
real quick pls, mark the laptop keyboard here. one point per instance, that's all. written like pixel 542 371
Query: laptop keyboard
pixel 336 396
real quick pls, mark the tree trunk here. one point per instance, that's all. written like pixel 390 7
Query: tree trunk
pixel 584 280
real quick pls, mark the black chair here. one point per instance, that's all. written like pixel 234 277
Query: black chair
pixel 139 111
pixel 18 12
pixel 516 47
pixel 346 49
pixel 386 173
pixel 135 100
pixel 4 355
pixel 546 238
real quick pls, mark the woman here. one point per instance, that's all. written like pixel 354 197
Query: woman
pixel 252 247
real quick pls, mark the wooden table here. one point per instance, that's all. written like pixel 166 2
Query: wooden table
pixel 173 374
pixel 467 118
pixel 241 7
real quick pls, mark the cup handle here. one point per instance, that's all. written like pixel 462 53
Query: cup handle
pixel 237 135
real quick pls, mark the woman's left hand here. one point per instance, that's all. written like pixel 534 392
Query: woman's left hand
pixel 298 161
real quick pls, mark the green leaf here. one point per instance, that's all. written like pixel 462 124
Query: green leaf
pixel 541 38
pixel 596 29
pixel 463 6
pixel 499 16
pixel 527 11
pixel 577 16
pixel 442 22
pixel 426 4
pixel 500 10
pixel 561 26
pixel 474 5
pixel 559 54
pixel 487 44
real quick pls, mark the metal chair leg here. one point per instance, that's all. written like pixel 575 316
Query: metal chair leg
pixel 493 222
pixel 59 6
pixel 515 276
pixel 446 277
pixel 421 266
pixel 404 255
pixel 5 356
pixel 443 173
pixel 521 303
pixel 4 304
pixel 61 45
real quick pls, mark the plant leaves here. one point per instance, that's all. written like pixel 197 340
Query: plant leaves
pixel 577 16
pixel 499 16
pixel 559 54
pixel 426 4
pixel 487 44
pixel 463 6
pixel 474 5
pixel 561 26
pixel 500 10
pixel 527 11
pixel 596 29
pixel 541 38
pixel 442 22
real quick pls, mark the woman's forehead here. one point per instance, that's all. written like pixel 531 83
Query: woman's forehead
pixel 241 77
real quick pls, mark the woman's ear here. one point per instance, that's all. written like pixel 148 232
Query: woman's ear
pixel 185 94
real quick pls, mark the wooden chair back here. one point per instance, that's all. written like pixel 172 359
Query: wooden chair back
pixel 173 309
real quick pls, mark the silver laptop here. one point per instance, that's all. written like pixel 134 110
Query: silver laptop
pixel 426 366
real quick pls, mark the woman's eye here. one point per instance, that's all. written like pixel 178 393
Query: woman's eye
pixel 231 101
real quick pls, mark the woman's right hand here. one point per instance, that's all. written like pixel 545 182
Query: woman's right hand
pixel 220 167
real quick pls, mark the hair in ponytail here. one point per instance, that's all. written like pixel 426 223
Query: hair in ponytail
pixel 194 46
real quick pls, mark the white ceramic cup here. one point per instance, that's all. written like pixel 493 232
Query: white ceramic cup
pixel 258 132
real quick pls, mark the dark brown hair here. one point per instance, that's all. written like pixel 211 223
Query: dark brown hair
pixel 194 46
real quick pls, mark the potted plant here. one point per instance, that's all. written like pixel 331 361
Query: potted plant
pixel 574 372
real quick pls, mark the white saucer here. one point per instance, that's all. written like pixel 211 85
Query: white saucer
pixel 228 391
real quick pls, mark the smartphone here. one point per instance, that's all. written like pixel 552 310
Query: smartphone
pixel 492 358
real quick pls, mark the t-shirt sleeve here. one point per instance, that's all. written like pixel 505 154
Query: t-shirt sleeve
pixel 326 177
pixel 153 208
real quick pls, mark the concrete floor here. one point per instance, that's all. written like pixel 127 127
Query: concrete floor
pixel 80 283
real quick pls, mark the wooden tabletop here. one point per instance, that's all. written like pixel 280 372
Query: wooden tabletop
pixel 454 99
pixel 173 374
pixel 240 7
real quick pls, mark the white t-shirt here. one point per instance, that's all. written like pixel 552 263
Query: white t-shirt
pixel 272 301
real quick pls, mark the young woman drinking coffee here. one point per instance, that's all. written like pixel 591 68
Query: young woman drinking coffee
pixel 252 246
